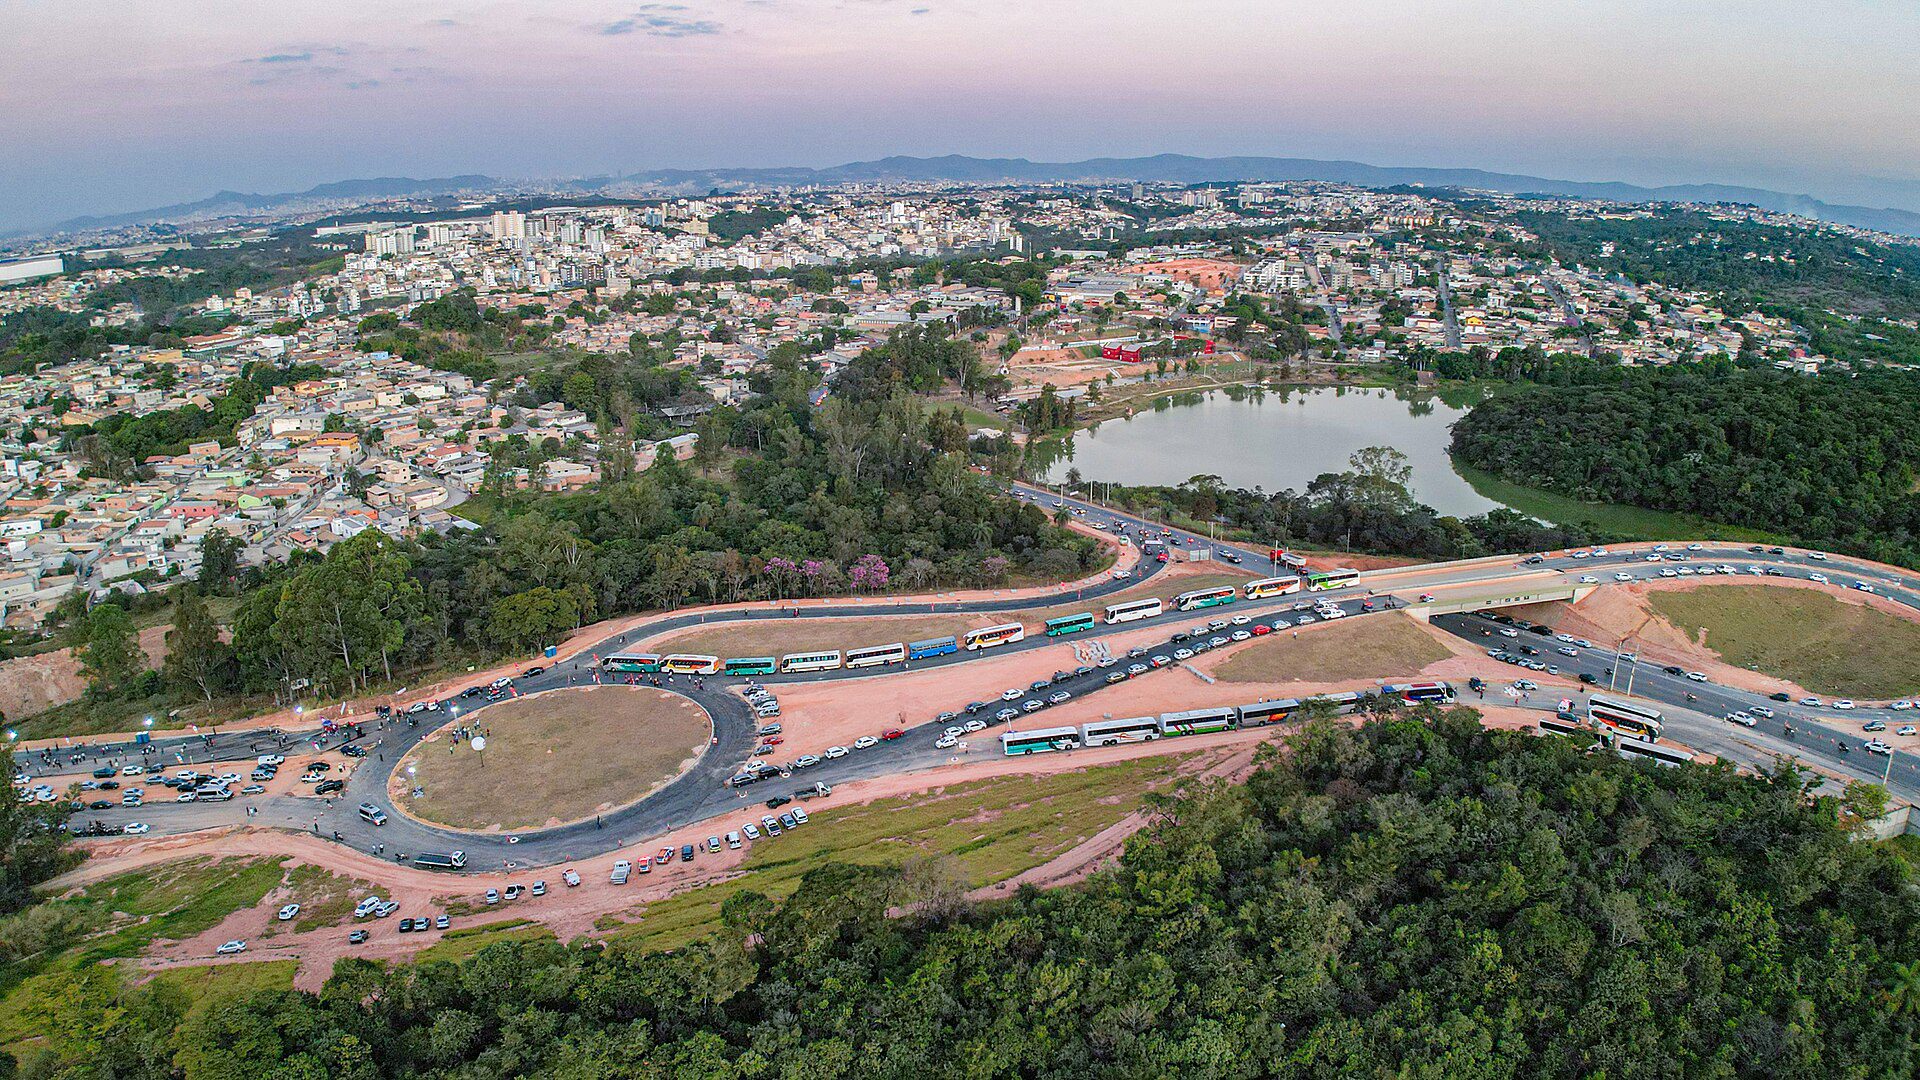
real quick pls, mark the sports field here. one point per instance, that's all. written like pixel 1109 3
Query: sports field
pixel 1381 646
pixel 559 756
pixel 1834 647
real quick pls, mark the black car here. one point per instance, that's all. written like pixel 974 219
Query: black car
pixel 1776 551
pixel 473 691
pixel 406 926
pixel 686 852
pixel 328 787
pixel 778 801
pixel 1674 669
pixel 100 804
pixel 532 671
pixel 1230 557
pixel 354 751
pixel 1586 678
pixel 1780 697
pixel 356 937
pixel 1178 636
pixel 975 706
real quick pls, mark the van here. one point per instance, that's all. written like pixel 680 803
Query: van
pixel 212 793
pixel 270 760
pixel 733 840
pixel 370 812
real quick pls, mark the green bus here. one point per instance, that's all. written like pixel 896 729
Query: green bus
pixel 751 665
pixel 1070 624
pixel 631 662
pixel 1332 579
pixel 1200 598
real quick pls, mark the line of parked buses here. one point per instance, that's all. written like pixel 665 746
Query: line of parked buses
pixel 987 637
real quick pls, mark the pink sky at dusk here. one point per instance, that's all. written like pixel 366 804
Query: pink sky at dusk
pixel 111 106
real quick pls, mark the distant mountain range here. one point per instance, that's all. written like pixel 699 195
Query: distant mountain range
pixel 1172 168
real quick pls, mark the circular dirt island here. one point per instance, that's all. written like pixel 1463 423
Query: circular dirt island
pixel 553 757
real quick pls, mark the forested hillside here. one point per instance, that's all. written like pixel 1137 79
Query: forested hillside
pixel 1829 461
pixel 1418 897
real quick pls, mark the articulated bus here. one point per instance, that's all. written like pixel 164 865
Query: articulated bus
pixel 1332 579
pixel 1200 598
pixel 990 636
pixel 690 664
pixel 1015 743
pixel 939 646
pixel 877 655
pixel 1129 730
pixel 1417 693
pixel 631 662
pixel 1273 586
pixel 752 665
pixel 1624 718
pixel 810 661
pixel 1070 624
pixel 1134 609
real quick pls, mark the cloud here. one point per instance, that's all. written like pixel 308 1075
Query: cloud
pixel 920 10
pixel 283 58
pixel 659 20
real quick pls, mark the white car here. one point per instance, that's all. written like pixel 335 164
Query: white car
pixel 1820 578
pixel 1863 586
pixel 1668 571
pixel 972 726
pixel 865 742
pixel 1813 701
pixel 1567 650
pixel 1695 676
pixel 1567 638
pixel 1011 695
pixel 1599 552
pixel 367 907
pixel 1900 706
pixel 1843 704
pixel 1589 580
pixel 231 947
pixel 1817 556
pixel 836 752
pixel 1623 576
pixel 1760 710
pixel 1695 547
pixel 1242 620
pixel 1508 631
pixel 1122 575
pixel 1908 729
pixel 750 831
pixel 954 732
pixel 946 742
pixel 287 913
pixel 1241 635
pixel 1741 718
pixel 135 828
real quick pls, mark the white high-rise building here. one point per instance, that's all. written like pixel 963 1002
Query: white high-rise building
pixel 509 225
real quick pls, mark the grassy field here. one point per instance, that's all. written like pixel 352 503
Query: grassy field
pixel 118 919
pixel 1847 650
pixel 460 944
pixel 1378 647
pixel 777 636
pixel 1626 522
pixel 994 828
pixel 559 756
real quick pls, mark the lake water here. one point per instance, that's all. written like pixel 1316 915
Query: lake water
pixel 1276 439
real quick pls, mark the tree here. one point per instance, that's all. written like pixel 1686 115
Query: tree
pixel 197 660
pixel 32 847
pixel 219 560
pixel 107 646
pixel 535 617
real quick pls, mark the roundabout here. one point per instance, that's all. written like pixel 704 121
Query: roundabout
pixel 543 760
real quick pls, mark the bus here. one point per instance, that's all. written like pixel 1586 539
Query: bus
pixel 433 860
pixel 1342 703
pixel 1129 730
pixel 632 662
pixel 939 646
pixel 752 665
pixel 1624 718
pixel 1200 598
pixel 875 655
pixel 1040 741
pixel 1262 713
pixel 1070 624
pixel 1418 693
pixel 1134 609
pixel 1199 721
pixel 1641 749
pixel 810 661
pixel 690 664
pixel 1567 724
pixel 990 636
pixel 1332 579
pixel 1273 586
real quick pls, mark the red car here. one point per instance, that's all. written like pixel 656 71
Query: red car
pixel 892 733
pixel 664 855
pixel 1261 628
pixel 774 740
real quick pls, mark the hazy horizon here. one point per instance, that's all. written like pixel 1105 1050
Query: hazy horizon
pixel 115 108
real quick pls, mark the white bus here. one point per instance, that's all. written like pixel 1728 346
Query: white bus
pixel 1199 721
pixel 1039 741
pixel 1132 729
pixel 1134 609
pixel 810 661
pixel 1333 579
pixel 875 655
pixel 1640 749
pixel 988 637
pixel 1624 719
pixel 690 664
pixel 1273 586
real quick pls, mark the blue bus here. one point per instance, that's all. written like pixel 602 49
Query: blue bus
pixel 939 646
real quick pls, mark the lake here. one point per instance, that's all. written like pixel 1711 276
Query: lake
pixel 1275 439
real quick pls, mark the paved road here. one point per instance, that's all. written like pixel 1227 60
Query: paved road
pixel 1819 730
pixel 1448 320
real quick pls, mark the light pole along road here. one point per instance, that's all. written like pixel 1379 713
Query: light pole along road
pixel 701 792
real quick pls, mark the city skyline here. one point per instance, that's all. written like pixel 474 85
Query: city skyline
pixel 117 110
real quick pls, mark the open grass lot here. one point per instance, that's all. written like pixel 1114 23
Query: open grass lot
pixel 994 828
pixel 1376 647
pixel 1625 522
pixel 778 636
pixel 1847 650
pixel 462 943
pixel 559 756
pixel 1166 588
pixel 60 945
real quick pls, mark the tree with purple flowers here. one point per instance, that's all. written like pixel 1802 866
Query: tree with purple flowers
pixel 869 573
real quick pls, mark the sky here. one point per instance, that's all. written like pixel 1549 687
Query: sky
pixel 108 106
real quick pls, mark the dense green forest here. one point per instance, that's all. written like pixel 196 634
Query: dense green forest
pixel 1417 897
pixel 1365 508
pixel 1830 461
